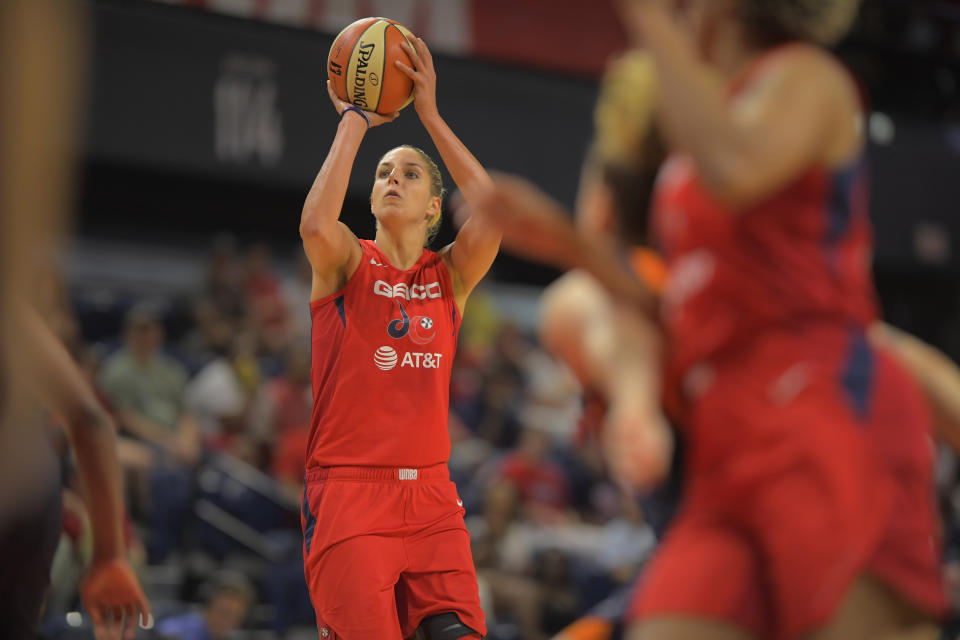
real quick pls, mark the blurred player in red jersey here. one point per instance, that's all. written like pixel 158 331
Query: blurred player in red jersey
pixel 580 322
pixel 808 497
pixel 387 554
pixel 39 82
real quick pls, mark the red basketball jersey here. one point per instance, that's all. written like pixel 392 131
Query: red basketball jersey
pixel 801 255
pixel 382 351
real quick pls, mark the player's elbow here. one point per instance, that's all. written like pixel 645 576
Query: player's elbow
pixel 310 228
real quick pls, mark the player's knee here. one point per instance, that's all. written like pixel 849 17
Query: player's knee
pixel 445 626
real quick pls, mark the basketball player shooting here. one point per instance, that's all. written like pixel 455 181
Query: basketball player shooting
pixel 386 552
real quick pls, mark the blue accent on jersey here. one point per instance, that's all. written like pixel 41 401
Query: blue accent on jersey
pixel 309 522
pixel 340 310
pixel 858 375
pixel 839 207
pixel 399 328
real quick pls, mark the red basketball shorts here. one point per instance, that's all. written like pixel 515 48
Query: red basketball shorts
pixel 385 548
pixel 803 473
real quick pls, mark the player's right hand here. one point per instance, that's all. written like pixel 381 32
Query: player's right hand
pixel 112 596
pixel 375 118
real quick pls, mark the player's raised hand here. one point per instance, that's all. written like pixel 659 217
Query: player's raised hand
pixel 112 596
pixel 375 119
pixel 423 74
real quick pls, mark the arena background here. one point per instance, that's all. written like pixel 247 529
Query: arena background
pixel 205 123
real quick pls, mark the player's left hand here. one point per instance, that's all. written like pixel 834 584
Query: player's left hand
pixel 423 75
pixel 112 596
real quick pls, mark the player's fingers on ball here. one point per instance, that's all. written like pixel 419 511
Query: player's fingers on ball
pixel 411 51
pixel 107 624
pixel 333 96
pixel 119 617
pixel 427 56
pixel 96 617
pixel 143 609
pixel 422 50
pixel 404 68
pixel 129 622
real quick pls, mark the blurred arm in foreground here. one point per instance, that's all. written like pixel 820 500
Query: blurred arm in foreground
pixel 110 590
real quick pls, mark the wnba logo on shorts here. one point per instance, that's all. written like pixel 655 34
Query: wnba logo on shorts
pixel 385 358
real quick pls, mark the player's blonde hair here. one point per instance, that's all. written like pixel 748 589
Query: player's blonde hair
pixel 624 115
pixel 822 22
pixel 627 149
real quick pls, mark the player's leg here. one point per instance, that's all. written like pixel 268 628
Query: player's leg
pixel 352 589
pixel 906 563
pixel 438 596
pixel 351 574
pixel 704 582
pixel 870 610
pixel 900 592
pixel 588 628
pixel 678 628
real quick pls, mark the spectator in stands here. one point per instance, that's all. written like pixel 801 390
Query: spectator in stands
pixel 224 613
pixel 209 337
pixel 223 287
pixel 265 300
pixel 287 399
pixel 540 481
pixel 146 389
pixel 296 297
pixel 281 418
pixel 221 396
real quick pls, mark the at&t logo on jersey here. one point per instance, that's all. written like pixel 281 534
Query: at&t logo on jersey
pixel 407 292
pixel 385 358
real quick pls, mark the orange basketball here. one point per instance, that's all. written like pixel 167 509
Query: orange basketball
pixel 360 65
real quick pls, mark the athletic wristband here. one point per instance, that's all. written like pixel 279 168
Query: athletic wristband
pixel 358 110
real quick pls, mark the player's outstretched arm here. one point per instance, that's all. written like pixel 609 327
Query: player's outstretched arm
pixel 328 243
pixel 477 244
pixel 110 590
pixel 937 375
pixel 537 227
pixel 801 115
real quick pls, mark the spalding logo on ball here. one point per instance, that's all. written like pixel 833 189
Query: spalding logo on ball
pixel 361 65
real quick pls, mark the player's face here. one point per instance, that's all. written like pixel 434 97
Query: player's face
pixel 402 187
